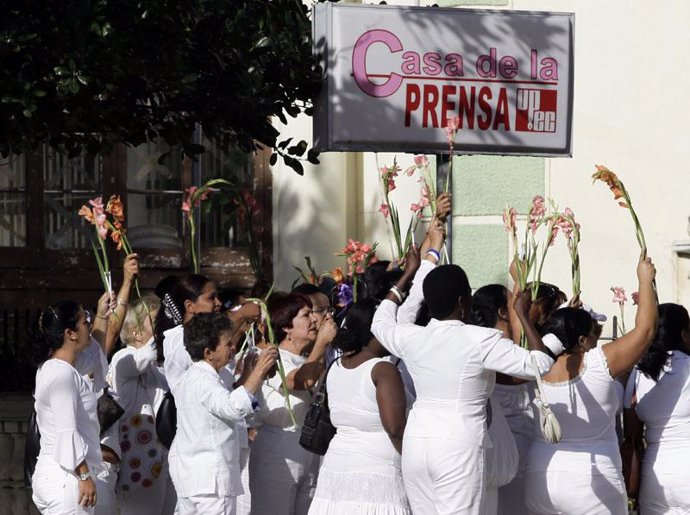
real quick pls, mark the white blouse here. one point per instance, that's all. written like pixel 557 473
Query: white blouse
pixel 273 408
pixel 664 405
pixel 66 416
pixel 136 379
pixel 453 366
pixel 177 359
pixel 204 456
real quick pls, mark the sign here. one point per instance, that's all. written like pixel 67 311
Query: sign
pixel 395 75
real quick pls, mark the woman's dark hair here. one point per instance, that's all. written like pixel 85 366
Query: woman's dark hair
pixel 173 296
pixel 486 303
pixel 549 298
pixel 443 287
pixel 49 333
pixel 423 317
pixel 355 332
pixel 203 332
pixel 283 310
pixel 673 320
pixel 568 325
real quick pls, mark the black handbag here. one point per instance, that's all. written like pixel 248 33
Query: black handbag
pixel 317 430
pixel 166 420
pixel 32 448
pixel 108 410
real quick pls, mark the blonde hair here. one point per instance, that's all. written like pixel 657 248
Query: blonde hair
pixel 137 311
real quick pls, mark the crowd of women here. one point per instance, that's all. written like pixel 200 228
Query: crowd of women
pixel 435 406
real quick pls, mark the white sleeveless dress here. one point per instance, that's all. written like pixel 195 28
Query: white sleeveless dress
pixel 360 474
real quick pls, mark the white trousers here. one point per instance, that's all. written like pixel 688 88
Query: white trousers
pixel 282 475
pixel 56 491
pixel 575 493
pixel 443 476
pixel 244 501
pixel 206 505
pixel 106 478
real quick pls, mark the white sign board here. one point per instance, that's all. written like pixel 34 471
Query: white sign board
pixel 395 75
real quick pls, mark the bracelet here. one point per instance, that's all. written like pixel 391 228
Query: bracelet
pixel 434 253
pixel 395 292
pixel 121 302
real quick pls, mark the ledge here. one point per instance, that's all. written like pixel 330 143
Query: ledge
pixel 682 248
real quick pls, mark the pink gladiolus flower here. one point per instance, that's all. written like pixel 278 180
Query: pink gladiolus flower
pixel 185 206
pixel 618 294
pixel 359 269
pixel 536 212
pixel 410 170
pixel 452 129
pixel 365 248
pixel 383 170
pixel 391 184
pixel 635 297
pixel 510 219
pixel 554 233
pixel 421 161
pixel 385 210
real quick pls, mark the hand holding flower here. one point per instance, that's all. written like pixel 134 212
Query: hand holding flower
pixel 443 206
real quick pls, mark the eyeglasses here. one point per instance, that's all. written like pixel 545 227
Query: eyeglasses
pixel 323 311
pixel 88 317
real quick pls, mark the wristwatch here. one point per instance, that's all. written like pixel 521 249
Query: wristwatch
pixel 86 475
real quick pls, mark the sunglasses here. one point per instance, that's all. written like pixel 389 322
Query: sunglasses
pixel 323 311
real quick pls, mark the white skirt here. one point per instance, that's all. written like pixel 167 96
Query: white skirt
pixel 360 476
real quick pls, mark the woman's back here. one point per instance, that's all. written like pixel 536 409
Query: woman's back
pixel 352 397
pixel 587 404
pixel 664 405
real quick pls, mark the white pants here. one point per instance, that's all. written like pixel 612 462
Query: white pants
pixel 56 491
pixel 282 475
pixel 106 478
pixel 244 501
pixel 205 505
pixel 443 476
pixel 575 493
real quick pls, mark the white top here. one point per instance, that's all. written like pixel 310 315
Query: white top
pixel 273 409
pixel 93 365
pixel 177 359
pixel 664 406
pixel 453 367
pixel 204 456
pixel 586 409
pixel 66 416
pixel 137 380
pixel 352 397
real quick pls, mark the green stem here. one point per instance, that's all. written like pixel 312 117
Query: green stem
pixel 279 362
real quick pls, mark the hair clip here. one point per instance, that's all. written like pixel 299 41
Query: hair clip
pixel 170 309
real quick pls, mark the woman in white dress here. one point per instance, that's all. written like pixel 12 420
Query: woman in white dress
pixel 659 391
pixel 143 485
pixel 277 459
pixel 66 415
pixel 205 454
pixel 582 473
pixel 453 367
pixel 360 474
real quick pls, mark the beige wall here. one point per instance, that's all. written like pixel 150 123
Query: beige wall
pixel 630 103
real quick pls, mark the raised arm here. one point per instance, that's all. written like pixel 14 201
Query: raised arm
pixel 627 350
pixel 430 251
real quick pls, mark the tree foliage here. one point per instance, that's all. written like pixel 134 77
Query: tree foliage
pixel 87 74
